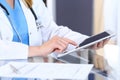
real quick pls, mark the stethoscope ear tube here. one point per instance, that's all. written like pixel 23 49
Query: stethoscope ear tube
pixel 8 12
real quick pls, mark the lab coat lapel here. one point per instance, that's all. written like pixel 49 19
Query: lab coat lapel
pixel 5 27
pixel 34 35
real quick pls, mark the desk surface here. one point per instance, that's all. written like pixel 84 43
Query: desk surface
pixel 95 76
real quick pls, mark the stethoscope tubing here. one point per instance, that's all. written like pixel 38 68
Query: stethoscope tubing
pixel 31 9
pixel 35 16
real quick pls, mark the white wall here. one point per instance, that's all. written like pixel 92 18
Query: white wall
pixel 52 8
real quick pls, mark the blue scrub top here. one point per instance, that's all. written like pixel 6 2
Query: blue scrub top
pixel 18 22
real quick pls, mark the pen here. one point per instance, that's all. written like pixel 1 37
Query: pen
pixel 14 69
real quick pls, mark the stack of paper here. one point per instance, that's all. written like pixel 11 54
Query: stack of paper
pixel 46 70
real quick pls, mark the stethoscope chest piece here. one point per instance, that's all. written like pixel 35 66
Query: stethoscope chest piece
pixel 38 24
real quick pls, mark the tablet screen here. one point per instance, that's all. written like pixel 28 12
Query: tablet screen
pixel 94 38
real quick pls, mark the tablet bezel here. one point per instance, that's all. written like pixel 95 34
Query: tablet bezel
pixel 111 34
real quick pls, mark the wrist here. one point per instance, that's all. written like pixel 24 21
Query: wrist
pixel 34 51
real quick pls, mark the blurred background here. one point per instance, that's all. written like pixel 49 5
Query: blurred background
pixel 84 16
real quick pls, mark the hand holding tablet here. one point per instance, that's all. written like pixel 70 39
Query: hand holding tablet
pixel 96 39
pixel 92 41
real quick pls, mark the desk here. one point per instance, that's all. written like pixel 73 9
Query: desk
pixel 95 76
pixel 76 59
pixel 112 59
pixel 111 54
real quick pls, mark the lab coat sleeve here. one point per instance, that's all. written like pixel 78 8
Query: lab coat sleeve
pixel 64 31
pixel 12 50
pixel 50 28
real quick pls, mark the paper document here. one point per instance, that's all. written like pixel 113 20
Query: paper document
pixel 46 70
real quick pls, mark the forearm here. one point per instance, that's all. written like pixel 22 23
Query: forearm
pixel 37 51
pixel 33 51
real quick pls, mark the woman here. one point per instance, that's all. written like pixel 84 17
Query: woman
pixel 27 30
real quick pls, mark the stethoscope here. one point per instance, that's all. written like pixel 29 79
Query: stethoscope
pixel 38 23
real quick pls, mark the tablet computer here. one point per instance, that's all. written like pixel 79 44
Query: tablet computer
pixel 91 41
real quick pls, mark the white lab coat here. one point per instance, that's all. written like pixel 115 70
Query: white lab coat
pixel 12 50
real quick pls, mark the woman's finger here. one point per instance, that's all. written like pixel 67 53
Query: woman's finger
pixel 70 41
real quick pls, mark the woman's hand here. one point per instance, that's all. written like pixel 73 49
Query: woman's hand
pixel 100 44
pixel 55 44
